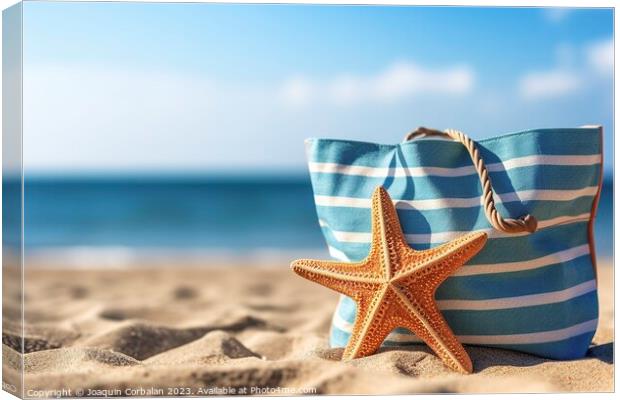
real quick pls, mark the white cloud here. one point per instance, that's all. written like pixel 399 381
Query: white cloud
pixel 600 56
pixel 397 81
pixel 576 69
pixel 549 84
pixel 406 79
pixel 346 90
pixel 297 91
pixel 556 14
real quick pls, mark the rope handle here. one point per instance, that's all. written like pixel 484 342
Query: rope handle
pixel 526 223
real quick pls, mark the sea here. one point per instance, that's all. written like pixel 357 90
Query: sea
pixel 118 218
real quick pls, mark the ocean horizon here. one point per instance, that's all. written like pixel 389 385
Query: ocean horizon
pixel 117 219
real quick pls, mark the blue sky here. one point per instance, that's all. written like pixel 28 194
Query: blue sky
pixel 205 87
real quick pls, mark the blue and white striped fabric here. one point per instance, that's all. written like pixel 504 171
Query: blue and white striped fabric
pixel 529 292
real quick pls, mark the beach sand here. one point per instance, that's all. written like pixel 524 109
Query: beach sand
pixel 261 330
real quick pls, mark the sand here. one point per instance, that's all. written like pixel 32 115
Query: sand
pixel 199 331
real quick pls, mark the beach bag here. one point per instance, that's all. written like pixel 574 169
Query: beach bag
pixel 532 288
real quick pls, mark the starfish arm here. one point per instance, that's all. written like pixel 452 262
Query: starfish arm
pixel 387 235
pixel 372 324
pixel 440 262
pixel 425 320
pixel 347 278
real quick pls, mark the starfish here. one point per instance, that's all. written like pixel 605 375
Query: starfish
pixel 395 285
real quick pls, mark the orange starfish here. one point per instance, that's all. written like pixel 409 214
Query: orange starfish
pixel 395 286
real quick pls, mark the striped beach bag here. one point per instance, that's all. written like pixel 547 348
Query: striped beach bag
pixel 532 288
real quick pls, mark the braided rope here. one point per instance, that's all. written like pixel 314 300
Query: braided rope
pixel 526 223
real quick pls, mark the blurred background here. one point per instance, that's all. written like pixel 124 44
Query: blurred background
pixel 178 128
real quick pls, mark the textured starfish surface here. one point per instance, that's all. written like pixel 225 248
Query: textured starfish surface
pixel 395 286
